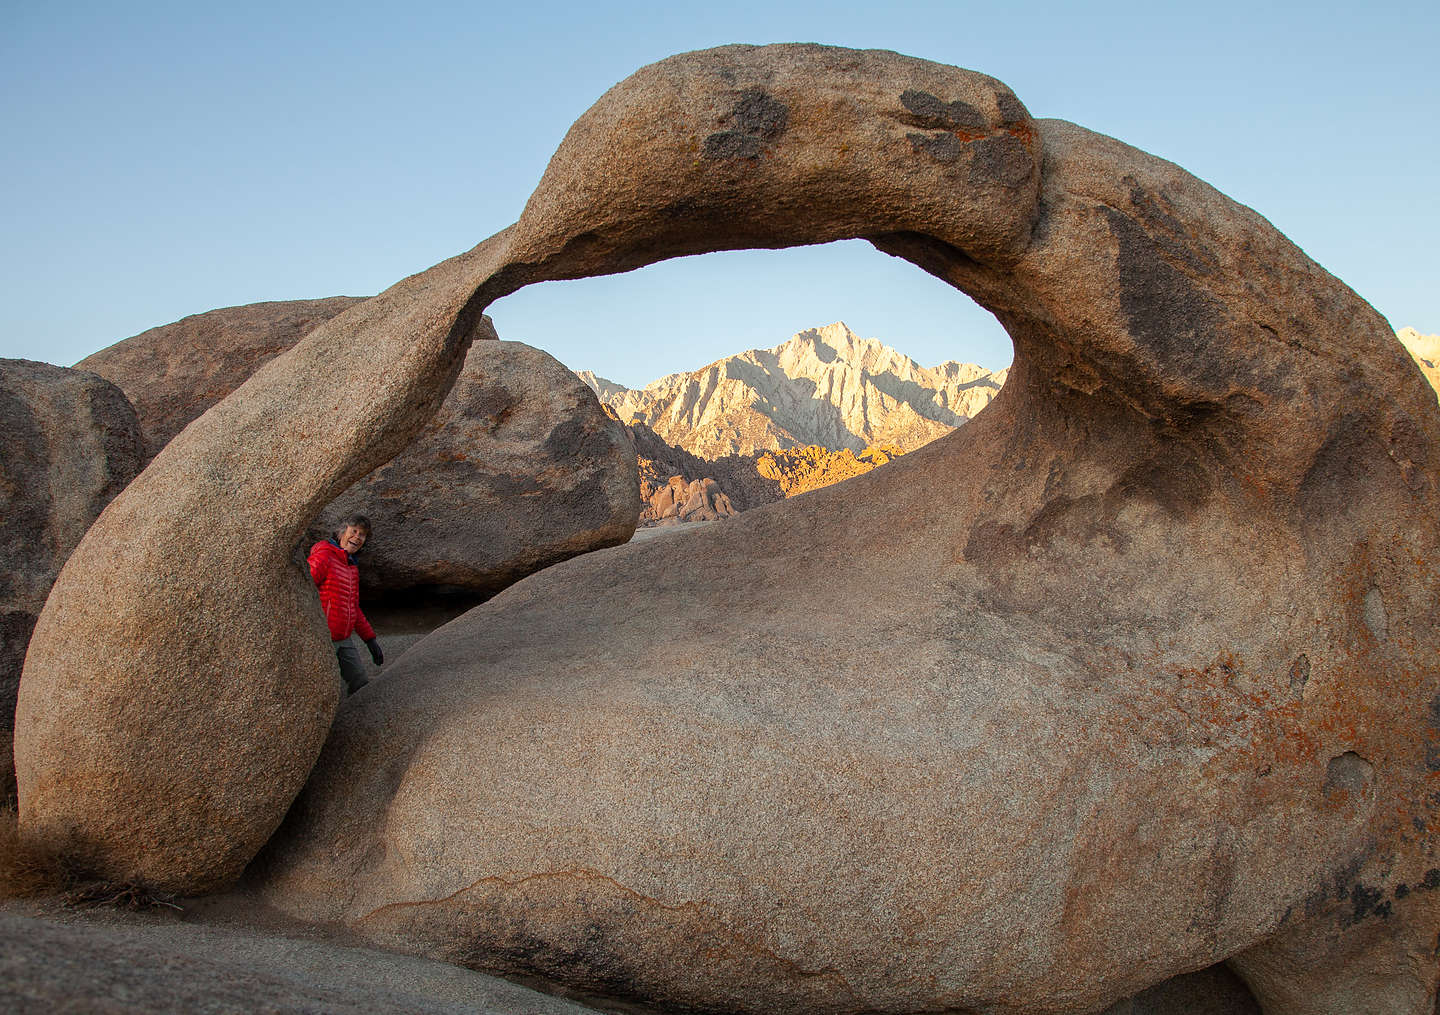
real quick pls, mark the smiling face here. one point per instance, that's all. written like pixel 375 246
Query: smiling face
pixel 351 538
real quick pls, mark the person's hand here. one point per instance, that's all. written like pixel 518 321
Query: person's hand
pixel 374 646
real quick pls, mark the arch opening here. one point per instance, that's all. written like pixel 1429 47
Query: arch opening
pixel 680 314
pixel 748 377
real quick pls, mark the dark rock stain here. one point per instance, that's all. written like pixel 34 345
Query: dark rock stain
pixel 930 111
pixel 1366 902
pixel 508 487
pixel 992 541
pixel 1012 110
pixel 757 118
pixel 1349 874
pixel 592 963
pixel 1315 902
pixel 1167 231
pixel 1410 450
pixel 731 144
pixel 1341 474
pixel 941 147
pixel 1166 312
pixel 1178 487
pixel 760 114
pixel 1059 517
pixel 1001 158
pixel 565 441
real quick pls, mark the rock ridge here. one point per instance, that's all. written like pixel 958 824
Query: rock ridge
pixel 824 386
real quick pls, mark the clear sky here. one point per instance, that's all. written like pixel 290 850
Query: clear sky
pixel 163 159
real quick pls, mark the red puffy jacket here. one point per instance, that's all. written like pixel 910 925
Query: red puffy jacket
pixel 338 580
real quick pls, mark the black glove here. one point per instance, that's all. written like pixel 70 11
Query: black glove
pixel 374 646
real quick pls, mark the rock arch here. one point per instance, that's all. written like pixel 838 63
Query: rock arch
pixel 1109 640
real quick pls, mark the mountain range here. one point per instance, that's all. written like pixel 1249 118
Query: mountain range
pixel 825 386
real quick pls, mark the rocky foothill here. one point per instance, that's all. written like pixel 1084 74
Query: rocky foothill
pixel 1121 696
pixel 800 470
pixel 676 486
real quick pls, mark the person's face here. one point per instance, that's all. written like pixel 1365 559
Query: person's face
pixel 351 538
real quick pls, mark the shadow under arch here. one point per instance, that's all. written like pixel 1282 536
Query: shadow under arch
pixel 1177 367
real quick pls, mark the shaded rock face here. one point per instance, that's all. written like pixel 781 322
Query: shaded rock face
pixel 173 373
pixel 1134 673
pixel 123 964
pixel 519 469
pixel 71 444
pixel 825 386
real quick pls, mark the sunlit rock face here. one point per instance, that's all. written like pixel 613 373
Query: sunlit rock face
pixel 1134 673
pixel 825 386
pixel 1425 349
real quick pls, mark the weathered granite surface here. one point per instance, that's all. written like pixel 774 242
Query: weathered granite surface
pixel 173 373
pixel 519 469
pixel 1133 674
pixel 71 442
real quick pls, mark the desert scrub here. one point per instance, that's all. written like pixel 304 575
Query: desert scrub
pixel 27 869
pixel 31 869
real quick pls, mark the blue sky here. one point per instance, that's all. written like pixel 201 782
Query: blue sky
pixel 163 159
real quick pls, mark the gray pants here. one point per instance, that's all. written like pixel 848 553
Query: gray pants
pixel 351 668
